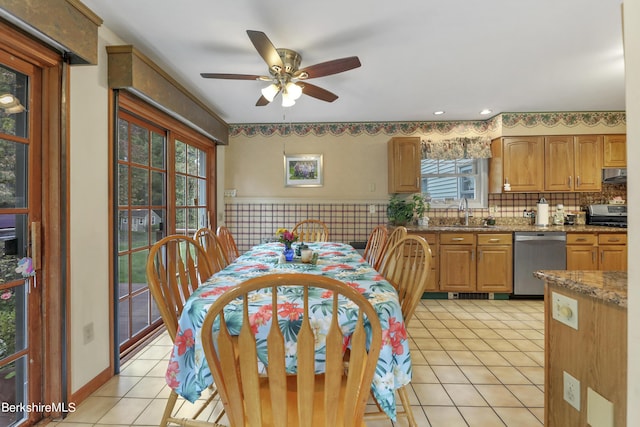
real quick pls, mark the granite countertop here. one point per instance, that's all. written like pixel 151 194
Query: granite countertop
pixel 607 286
pixel 510 228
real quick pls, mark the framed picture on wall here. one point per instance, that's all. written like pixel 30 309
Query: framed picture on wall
pixel 303 170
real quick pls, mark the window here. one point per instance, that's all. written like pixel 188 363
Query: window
pixel 448 181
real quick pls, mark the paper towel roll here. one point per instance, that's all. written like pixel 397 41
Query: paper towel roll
pixel 542 216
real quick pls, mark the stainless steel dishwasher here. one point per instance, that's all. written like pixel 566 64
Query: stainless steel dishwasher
pixel 536 250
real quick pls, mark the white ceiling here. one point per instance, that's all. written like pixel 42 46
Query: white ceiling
pixel 417 56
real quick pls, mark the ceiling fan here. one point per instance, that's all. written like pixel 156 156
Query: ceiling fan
pixel 284 75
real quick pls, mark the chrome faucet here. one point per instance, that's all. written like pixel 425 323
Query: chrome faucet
pixel 464 206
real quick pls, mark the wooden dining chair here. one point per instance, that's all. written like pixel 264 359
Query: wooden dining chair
pixel 279 398
pixel 311 230
pixel 176 267
pixel 213 247
pixel 228 243
pixel 375 246
pixel 395 236
pixel 406 266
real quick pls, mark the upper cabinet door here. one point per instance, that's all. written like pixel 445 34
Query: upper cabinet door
pixel 558 163
pixel 404 165
pixel 523 163
pixel 615 151
pixel 588 163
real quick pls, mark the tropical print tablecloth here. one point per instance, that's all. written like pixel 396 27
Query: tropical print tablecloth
pixel 188 373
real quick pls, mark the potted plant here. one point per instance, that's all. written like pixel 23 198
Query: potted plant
pixel 400 211
pixel 420 206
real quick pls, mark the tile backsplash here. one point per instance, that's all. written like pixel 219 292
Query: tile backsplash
pixel 251 223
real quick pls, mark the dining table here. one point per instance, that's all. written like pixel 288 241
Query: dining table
pixel 188 373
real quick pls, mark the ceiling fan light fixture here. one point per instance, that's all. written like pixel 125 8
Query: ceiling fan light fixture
pixel 270 91
pixel 293 90
pixel 287 100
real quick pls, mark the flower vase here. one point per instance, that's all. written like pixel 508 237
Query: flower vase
pixel 288 253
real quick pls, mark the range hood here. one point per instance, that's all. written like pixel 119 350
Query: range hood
pixel 614 175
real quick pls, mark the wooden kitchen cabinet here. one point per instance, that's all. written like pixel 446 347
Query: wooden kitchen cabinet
pixel 519 162
pixel 495 263
pixel 582 251
pixel 573 163
pixel 404 164
pixel 615 151
pixel 457 262
pixel 613 252
pixel 476 263
pixel 588 251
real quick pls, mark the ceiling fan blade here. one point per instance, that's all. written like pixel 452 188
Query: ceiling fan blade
pixel 262 101
pixel 265 48
pixel 318 92
pixel 230 76
pixel 330 67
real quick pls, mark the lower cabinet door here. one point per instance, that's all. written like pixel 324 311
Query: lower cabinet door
pixel 457 268
pixel 495 269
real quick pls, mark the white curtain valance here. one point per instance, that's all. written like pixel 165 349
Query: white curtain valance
pixel 457 148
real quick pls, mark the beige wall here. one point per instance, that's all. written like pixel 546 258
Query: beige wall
pixel 90 290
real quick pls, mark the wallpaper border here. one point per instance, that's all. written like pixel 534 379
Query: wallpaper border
pixel 489 126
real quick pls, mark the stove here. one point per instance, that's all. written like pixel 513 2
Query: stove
pixel 607 215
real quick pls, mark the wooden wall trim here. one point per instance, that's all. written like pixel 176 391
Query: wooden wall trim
pixel 67 22
pixel 130 70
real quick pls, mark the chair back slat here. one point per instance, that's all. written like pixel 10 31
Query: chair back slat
pixel 311 230
pixel 228 243
pixel 335 398
pixel 407 266
pixel 213 247
pixel 277 369
pixel 175 268
pixel 375 246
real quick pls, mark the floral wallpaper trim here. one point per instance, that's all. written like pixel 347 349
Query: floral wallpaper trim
pixel 490 126
pixel 457 148
pixel 570 119
pixel 355 129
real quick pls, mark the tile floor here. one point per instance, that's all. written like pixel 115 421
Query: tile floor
pixel 475 363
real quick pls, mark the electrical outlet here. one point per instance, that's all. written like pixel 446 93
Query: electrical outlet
pixel 571 390
pixel 230 193
pixel 372 209
pixel 494 209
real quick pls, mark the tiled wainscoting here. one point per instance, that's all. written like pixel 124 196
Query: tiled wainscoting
pixel 251 222
pixel 347 222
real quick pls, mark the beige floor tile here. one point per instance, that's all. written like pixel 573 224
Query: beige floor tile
pixel 473 323
pixel 486 333
pixel 491 358
pixel 479 375
pixel 534 374
pixel 463 333
pixel 156 352
pixel 437 357
pixel 451 344
pixel 92 409
pixel 495 324
pixel 529 395
pixel 428 344
pixel 480 417
pixel 466 358
pixel 450 374
pixel 125 411
pixel 501 345
pixel 518 417
pixel 509 334
pixel 442 333
pixel 433 324
pixel 117 386
pixel 538 413
pixel 148 387
pixel 518 358
pixel 453 324
pixel 464 395
pixel 509 375
pixel 442 416
pixel 424 375
pixel 531 334
pixel 525 345
pixel 138 367
pixel 498 395
pixel 475 344
pixel 432 394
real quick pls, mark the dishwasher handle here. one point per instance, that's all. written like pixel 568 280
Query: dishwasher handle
pixel 540 237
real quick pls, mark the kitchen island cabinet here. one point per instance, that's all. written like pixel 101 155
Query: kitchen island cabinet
pixel 594 352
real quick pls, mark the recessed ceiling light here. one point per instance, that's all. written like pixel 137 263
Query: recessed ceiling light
pixel 485 112
pixel 438 113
